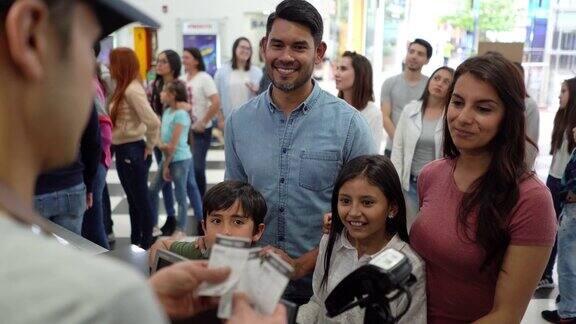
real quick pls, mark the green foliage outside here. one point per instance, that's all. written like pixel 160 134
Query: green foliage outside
pixel 494 15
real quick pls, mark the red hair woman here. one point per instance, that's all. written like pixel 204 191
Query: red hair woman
pixel 134 135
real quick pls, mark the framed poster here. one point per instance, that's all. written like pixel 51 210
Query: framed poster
pixel 203 35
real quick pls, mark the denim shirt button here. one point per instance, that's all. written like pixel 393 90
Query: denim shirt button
pixel 281 209
pixel 282 180
pixel 281 238
pixel 282 121
pixel 284 150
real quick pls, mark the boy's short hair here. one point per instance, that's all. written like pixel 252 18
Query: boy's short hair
pixel 223 195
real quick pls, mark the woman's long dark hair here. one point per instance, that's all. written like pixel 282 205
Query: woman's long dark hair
pixel 380 172
pixel 234 58
pixel 363 89
pixel 175 64
pixel 565 120
pixel 494 194
pixel 197 56
pixel 426 94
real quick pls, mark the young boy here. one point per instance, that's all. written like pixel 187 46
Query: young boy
pixel 231 208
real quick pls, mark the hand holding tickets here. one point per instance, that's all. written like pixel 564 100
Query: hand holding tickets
pixel 262 279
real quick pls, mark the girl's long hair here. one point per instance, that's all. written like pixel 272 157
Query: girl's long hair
pixel 565 120
pixel 178 88
pixel 124 68
pixel 380 172
pixel 197 55
pixel 363 88
pixel 493 196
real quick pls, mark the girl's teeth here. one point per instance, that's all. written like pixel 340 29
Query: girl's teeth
pixel 356 223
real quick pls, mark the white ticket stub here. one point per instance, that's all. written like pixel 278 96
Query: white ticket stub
pixel 227 252
pixel 266 285
pixel 263 279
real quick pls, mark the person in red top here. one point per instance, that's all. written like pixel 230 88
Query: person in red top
pixel 486 223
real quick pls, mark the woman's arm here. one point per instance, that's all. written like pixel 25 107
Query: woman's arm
pixel 169 150
pixel 214 108
pixel 521 270
pixel 397 156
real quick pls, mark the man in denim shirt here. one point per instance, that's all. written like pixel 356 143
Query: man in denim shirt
pixel 292 140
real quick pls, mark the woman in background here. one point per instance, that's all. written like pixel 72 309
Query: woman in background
pixel 562 145
pixel 354 83
pixel 203 96
pixel 134 135
pixel 418 137
pixel 238 80
pixel 168 66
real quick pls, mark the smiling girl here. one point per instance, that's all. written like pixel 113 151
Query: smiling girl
pixel 369 216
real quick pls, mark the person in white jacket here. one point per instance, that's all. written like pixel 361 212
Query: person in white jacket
pixel 354 83
pixel 418 138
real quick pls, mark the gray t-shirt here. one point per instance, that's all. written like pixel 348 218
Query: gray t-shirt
pixel 425 150
pixel 399 93
pixel 42 281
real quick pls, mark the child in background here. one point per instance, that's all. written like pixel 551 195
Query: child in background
pixel 369 216
pixel 177 156
pixel 231 208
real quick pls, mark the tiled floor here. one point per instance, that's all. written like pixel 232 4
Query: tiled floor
pixel 215 173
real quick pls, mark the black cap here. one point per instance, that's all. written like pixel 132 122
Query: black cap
pixel 114 14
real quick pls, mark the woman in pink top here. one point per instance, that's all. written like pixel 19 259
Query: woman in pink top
pixel 486 223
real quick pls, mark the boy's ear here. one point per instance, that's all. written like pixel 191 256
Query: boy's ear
pixel 258 234
pixel 204 226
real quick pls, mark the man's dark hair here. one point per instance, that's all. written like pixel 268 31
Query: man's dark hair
pixel 424 43
pixel 301 12
pixel 223 195
pixel 60 16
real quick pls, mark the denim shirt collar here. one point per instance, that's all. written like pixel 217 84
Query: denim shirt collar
pixel 305 106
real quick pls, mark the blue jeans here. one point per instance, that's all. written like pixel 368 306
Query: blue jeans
pixel 65 207
pixel 133 173
pixel 179 171
pixel 567 262
pixel 412 204
pixel 194 193
pixel 93 225
pixel 200 150
pixel 167 192
pixel 555 186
